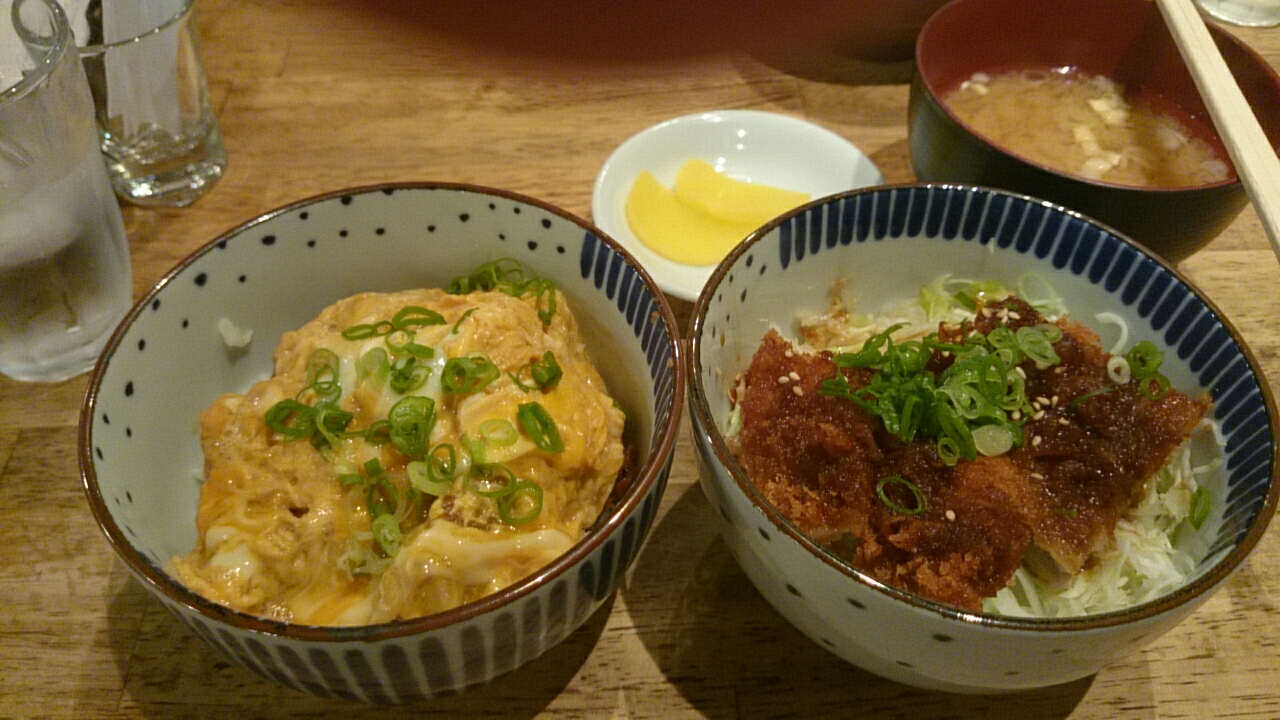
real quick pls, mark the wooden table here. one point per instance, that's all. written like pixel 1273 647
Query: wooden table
pixel 315 96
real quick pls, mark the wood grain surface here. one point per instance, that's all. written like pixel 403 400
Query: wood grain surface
pixel 313 96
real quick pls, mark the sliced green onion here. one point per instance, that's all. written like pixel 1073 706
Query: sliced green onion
pixel 1200 505
pixel 1156 392
pixel 364 331
pixel 292 419
pixel 1052 332
pixel 323 370
pixel 965 301
pixel 386 530
pixel 442 461
pixel 374 366
pixel 420 478
pixel 1090 395
pixel 489 276
pixel 463 375
pixel 416 316
pixel 373 467
pixel 1036 345
pixel 499 432
pixel 546 372
pixel 411 421
pixel 408 375
pixel 948 450
pixel 331 421
pixel 350 478
pixel 381 496
pixel 921 502
pixel 540 427
pixel 992 440
pixel 1144 359
pixel 458 324
pixel 523 492
pixel 490 480
pixel 378 432
pixel 474 448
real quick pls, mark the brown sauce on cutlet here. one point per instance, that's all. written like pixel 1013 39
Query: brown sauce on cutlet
pixel 818 460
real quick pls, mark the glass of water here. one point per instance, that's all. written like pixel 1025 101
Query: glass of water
pixel 1250 13
pixel 65 280
pixel 159 135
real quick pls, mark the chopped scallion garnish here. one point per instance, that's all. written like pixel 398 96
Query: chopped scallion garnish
pixel 921 503
pixel 522 504
pixel 468 374
pixel 411 420
pixel 540 427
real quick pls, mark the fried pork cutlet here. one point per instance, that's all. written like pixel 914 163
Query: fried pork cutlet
pixel 818 459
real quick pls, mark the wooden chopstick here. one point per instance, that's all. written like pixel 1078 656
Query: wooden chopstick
pixel 1254 158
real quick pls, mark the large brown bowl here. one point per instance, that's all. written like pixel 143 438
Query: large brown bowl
pixel 1125 40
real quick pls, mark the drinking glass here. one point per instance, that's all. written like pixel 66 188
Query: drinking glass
pixel 65 280
pixel 1250 13
pixel 159 135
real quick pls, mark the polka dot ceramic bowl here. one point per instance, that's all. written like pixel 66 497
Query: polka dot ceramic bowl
pixel 887 243
pixel 139 436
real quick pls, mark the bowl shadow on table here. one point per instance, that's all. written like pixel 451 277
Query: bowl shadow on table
pixel 731 655
pixel 170 672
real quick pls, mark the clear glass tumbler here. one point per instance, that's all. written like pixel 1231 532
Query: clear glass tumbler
pixel 159 134
pixel 65 280
pixel 1250 13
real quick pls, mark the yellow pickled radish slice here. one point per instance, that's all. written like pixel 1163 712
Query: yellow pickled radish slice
pixel 677 230
pixel 722 197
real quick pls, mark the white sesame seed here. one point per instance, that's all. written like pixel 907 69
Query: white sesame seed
pixel 1063 421
pixel 1038 415
pixel 1036 440
pixel 986 312
pixel 783 379
pixel 1059 370
pixel 788 354
pixel 1042 400
pixel 795 376
pixel 796 389
pixel 1021 373
pixel 1054 401
pixel 1016 414
pixel 1035 404
pixel 1037 476
pixel 1014 315
pixel 951 515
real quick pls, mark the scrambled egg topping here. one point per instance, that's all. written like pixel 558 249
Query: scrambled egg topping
pixel 289 527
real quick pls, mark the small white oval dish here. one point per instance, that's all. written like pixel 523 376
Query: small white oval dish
pixel 747 145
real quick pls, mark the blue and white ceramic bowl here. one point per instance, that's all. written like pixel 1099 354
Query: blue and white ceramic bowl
pixel 140 454
pixel 887 243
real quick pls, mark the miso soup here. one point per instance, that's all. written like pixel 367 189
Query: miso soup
pixel 1085 125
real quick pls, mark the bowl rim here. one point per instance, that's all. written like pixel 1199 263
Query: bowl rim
pixel 933 96
pixel 705 424
pixel 163 584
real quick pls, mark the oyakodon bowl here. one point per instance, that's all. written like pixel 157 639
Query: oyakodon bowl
pixel 1125 40
pixel 886 244
pixel 140 453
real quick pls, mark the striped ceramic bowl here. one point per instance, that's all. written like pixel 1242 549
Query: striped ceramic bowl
pixel 140 454
pixel 887 243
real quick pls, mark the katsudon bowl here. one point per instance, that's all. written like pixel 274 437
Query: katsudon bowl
pixel 140 451
pixel 884 244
